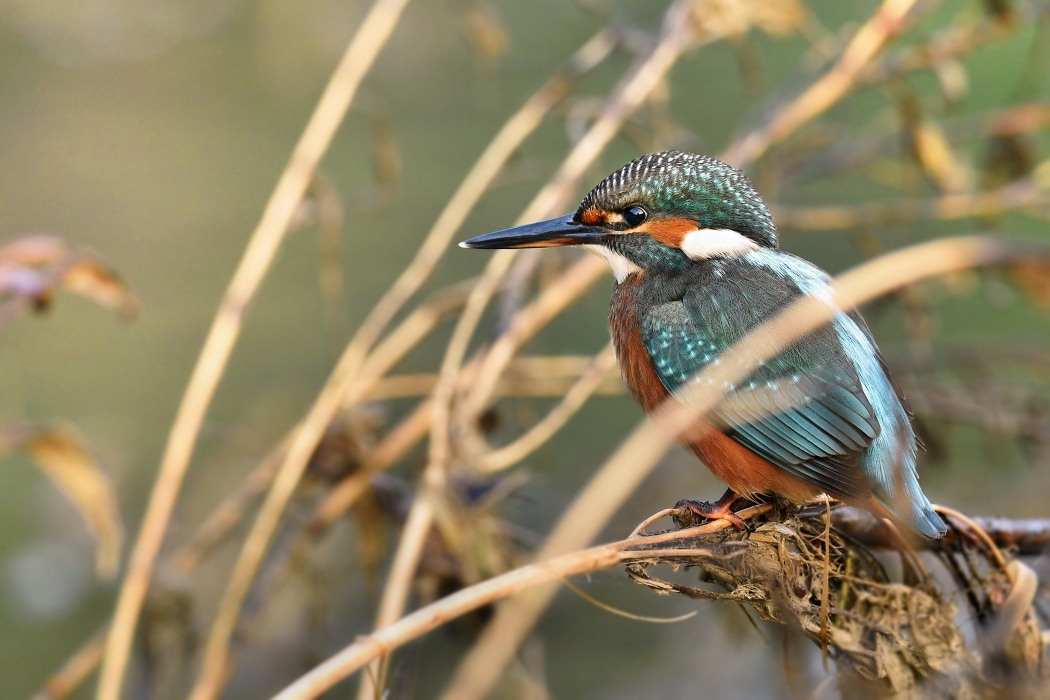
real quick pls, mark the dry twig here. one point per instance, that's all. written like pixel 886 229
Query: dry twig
pixel 262 248
pixel 628 96
pixel 883 25
pixel 639 453
pixel 464 389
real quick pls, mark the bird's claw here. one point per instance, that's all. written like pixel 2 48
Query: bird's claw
pixel 695 511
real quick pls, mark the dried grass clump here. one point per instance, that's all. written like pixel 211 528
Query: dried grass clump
pixel 899 638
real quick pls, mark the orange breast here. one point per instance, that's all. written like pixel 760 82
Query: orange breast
pixel 740 468
pixel 744 471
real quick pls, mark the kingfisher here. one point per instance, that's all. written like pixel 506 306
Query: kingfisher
pixel 698 264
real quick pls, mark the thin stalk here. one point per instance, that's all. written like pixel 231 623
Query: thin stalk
pixel 634 89
pixel 882 26
pixel 225 329
pixel 617 479
pixel 556 419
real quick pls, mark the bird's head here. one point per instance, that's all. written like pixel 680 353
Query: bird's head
pixel 659 213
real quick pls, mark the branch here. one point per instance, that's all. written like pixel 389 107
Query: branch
pixel 541 432
pixel 620 475
pixel 781 570
pixel 644 76
pixel 964 205
pixel 382 642
pixel 263 246
pixel 886 23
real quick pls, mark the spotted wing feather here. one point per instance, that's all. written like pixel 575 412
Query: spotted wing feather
pixel 804 410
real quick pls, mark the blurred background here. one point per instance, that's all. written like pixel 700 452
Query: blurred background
pixel 151 132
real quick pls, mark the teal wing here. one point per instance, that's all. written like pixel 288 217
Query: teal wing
pixel 804 411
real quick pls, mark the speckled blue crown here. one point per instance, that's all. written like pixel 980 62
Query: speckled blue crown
pixel 688 185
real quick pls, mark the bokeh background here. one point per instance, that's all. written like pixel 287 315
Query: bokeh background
pixel 152 131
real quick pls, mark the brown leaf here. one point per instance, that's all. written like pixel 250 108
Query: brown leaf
pixel 1034 279
pixel 34 251
pixel 485 32
pixel 25 284
pixel 90 278
pixel 60 455
pixel 386 157
pixel 34 267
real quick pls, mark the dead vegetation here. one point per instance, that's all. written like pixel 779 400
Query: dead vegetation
pixel 960 620
pixel 965 629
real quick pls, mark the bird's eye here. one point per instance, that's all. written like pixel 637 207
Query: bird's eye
pixel 634 216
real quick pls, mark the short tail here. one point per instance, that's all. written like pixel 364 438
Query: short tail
pixel 912 509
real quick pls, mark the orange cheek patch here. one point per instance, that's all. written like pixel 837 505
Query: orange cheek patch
pixel 670 232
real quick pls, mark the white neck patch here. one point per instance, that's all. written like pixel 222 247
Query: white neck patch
pixel 621 266
pixel 709 242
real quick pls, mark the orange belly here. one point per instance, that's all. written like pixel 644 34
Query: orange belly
pixel 740 468
pixel 744 471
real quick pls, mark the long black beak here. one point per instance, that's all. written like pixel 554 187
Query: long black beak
pixel 542 234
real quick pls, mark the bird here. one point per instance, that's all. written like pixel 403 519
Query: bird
pixel 697 262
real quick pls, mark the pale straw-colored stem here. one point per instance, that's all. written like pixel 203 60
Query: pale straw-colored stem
pixel 882 26
pixel 353 387
pixel 393 600
pixel 512 383
pixel 386 639
pixel 391 448
pixel 348 379
pixel 302 446
pixel 502 147
pixel 229 513
pixel 394 594
pixel 556 419
pixel 1016 196
pixel 552 301
pixel 73 672
pixel 417 527
pixel 636 87
pixel 426 619
pixel 407 335
pixel 604 493
pixel 225 329
pixel 399 581
pixel 617 479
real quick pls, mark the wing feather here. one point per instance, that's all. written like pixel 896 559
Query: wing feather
pixel 803 411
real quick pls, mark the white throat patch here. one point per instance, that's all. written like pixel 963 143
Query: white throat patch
pixel 709 242
pixel 621 266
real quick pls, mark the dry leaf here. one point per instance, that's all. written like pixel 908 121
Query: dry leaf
pixel 34 267
pixel 24 269
pixel 25 284
pixel 485 32
pixel 1009 158
pixel 1034 279
pixel 386 157
pixel 955 84
pixel 89 278
pixel 34 251
pixel 60 455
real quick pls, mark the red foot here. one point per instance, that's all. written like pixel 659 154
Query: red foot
pixel 719 510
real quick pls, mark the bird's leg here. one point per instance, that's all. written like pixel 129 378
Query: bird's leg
pixel 722 509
